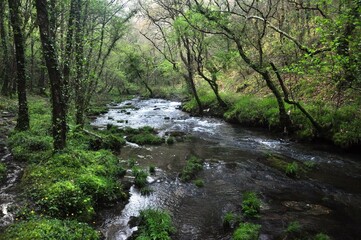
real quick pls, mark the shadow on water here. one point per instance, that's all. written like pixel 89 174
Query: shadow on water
pixel 324 198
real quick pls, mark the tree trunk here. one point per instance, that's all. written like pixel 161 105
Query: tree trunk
pixel 5 71
pixel 68 53
pixel 79 84
pixel 23 114
pixel 58 105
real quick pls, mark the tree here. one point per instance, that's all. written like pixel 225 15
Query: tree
pixel 55 76
pixel 5 89
pixel 23 114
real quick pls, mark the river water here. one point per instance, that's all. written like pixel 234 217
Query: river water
pixel 326 198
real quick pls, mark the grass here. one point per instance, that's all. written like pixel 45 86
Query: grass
pixel 230 219
pixel 251 204
pixel 247 231
pixel 192 167
pixel 140 177
pixel 292 169
pixel 155 225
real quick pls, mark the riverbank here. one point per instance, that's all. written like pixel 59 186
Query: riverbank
pixel 343 123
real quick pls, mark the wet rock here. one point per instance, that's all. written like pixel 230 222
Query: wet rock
pixel 175 134
pixel 110 118
pixel 311 209
pixel 128 113
pixel 156 109
pixel 166 118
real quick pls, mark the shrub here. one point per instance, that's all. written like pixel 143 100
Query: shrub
pixel 251 204
pixel 51 229
pixel 192 167
pixel 247 231
pixel 155 224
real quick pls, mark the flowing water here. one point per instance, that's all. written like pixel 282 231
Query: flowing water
pixel 327 198
pixel 8 190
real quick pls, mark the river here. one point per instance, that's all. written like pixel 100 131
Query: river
pixel 326 198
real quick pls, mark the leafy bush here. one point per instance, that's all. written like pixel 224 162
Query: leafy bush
pixel 251 204
pixel 192 167
pixel 155 225
pixel 50 229
pixel 247 231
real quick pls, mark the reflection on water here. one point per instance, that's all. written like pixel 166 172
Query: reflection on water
pixel 322 201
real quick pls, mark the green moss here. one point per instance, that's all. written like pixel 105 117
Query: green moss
pixel 321 236
pixel 146 138
pixel 192 167
pixel 251 204
pixel 199 183
pixel 155 224
pixel 254 111
pixel 30 146
pixel 247 231
pixel 66 199
pixel 72 183
pixel 50 229
pixel 2 171
pixel 113 142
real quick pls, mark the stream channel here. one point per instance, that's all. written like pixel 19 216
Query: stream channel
pixel 325 198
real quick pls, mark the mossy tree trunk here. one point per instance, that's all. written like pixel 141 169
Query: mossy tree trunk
pixel 5 89
pixel 23 113
pixel 51 61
